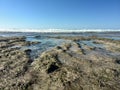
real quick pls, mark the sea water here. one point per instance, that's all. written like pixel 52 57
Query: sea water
pixel 47 43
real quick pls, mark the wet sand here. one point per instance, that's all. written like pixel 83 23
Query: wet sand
pixel 83 63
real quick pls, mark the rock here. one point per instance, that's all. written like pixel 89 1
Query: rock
pixel 117 61
pixel 64 67
pixel 35 42
pixel 38 36
pixel 28 51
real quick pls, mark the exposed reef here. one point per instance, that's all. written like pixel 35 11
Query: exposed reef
pixel 75 65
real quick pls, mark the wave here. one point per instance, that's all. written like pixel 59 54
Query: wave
pixel 58 30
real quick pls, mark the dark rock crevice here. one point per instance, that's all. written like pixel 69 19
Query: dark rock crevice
pixel 53 67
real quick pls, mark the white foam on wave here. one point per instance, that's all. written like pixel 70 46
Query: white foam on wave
pixel 58 30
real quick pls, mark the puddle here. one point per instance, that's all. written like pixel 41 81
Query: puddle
pixel 90 43
pixel 44 45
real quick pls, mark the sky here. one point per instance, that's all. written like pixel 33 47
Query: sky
pixel 60 14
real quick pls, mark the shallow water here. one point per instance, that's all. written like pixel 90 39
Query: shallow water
pixel 112 35
pixel 90 43
pixel 47 43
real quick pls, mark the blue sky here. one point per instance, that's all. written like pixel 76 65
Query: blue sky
pixel 68 14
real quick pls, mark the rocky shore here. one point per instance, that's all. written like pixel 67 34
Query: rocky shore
pixel 75 65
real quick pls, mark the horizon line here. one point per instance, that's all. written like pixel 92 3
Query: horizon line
pixel 56 30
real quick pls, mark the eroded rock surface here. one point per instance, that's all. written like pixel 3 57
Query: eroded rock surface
pixel 71 69
pixel 71 66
